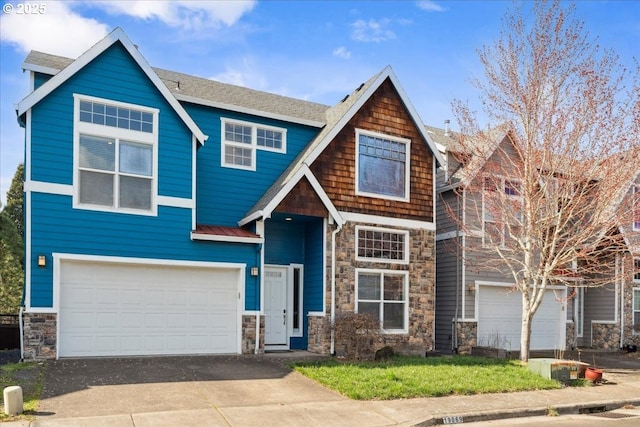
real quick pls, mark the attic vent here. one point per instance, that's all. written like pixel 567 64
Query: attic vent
pixel 344 99
pixel 360 87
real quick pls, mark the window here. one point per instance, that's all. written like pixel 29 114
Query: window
pixel 382 165
pixel 379 244
pixel 240 140
pixel 636 208
pixel 636 310
pixel 383 295
pixel 636 270
pixel 115 156
pixel 501 209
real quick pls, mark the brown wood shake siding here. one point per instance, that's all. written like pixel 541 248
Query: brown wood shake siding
pixel 335 168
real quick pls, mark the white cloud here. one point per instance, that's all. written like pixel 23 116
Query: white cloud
pixel 430 6
pixel 342 52
pixel 58 31
pixel 372 31
pixel 187 15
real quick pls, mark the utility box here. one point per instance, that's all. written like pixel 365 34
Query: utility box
pixel 558 369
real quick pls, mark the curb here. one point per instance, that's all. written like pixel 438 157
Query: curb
pixel 566 409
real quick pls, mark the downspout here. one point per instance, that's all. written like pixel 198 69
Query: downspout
pixel 333 287
pixel 259 279
pixel 454 332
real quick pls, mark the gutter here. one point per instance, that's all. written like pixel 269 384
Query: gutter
pixel 333 287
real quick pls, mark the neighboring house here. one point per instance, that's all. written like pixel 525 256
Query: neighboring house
pixel 476 304
pixel 170 214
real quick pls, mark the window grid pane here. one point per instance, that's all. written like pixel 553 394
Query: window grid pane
pixel 381 245
pixel 390 304
pixel 269 138
pixel 381 166
pixel 237 133
pixel 97 153
pixel 238 156
pixel 120 117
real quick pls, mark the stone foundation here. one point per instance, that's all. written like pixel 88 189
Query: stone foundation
pixel 605 336
pixel 40 336
pixel 319 335
pixel 467 336
pixel 570 341
pixel 249 334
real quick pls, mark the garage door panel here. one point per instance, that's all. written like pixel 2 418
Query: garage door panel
pixel 499 320
pixel 115 309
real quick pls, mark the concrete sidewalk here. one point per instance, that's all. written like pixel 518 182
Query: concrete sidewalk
pixel 261 391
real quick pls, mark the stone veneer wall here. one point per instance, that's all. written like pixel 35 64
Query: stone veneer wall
pixel 570 340
pixel 467 336
pixel 319 335
pixel 605 336
pixel 249 334
pixel 40 335
pixel 421 268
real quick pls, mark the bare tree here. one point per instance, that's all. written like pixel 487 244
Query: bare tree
pixel 551 193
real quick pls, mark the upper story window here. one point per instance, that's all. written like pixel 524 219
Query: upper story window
pixel 636 270
pixel 636 208
pixel 382 166
pixel 383 245
pixel 115 156
pixel 240 140
pixel 501 209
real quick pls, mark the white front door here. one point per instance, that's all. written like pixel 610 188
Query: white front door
pixel 275 307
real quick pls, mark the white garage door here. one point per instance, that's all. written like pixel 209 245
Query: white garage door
pixel 109 309
pixel 499 320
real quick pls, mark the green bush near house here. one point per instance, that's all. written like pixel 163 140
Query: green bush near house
pixel 407 377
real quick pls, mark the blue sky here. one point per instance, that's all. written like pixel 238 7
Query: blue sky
pixel 314 50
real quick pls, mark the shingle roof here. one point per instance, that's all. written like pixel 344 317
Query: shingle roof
pixel 210 92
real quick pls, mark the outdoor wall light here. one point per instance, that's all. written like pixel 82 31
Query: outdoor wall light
pixel 42 260
pixel 254 271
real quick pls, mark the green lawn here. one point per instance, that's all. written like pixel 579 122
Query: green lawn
pixel 407 377
pixel 30 377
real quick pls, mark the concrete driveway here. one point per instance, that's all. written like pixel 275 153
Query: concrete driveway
pixel 221 390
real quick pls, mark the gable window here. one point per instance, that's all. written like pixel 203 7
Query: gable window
pixel 115 156
pixel 240 140
pixel 382 166
pixel 501 209
pixel 636 208
pixel 384 294
pixel 379 244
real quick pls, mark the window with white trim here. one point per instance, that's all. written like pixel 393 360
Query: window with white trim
pixel 381 244
pixel 636 208
pixel 241 140
pixel 115 156
pixel 384 295
pixel 382 166
pixel 501 209
pixel 636 270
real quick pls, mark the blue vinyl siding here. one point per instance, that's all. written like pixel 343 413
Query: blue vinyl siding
pixel 225 195
pixel 39 79
pixel 284 243
pixel 113 76
pixel 57 228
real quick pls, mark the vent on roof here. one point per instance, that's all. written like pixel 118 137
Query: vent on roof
pixel 344 99
pixel 447 132
pixel 360 87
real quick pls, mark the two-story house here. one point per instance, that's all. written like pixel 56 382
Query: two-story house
pixel 171 214
pixel 477 304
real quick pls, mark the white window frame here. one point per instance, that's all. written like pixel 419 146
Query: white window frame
pixel 407 166
pixel 253 146
pixel 119 134
pixel 503 181
pixel 635 274
pixel 405 250
pixel 293 332
pixel 405 291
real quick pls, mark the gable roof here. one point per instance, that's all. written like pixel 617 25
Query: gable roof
pixel 336 117
pixel 201 91
pixel 68 71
